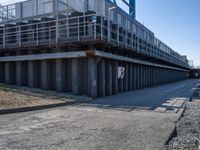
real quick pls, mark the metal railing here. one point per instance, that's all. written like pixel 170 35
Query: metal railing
pixel 84 28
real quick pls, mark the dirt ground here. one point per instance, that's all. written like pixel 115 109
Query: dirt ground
pixel 15 98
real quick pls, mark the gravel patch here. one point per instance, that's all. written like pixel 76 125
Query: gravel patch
pixel 187 129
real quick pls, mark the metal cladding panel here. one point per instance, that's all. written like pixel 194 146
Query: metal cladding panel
pixel 76 4
pixel 18 12
pixel 97 6
pixel 45 6
pixel 32 8
pixel 29 8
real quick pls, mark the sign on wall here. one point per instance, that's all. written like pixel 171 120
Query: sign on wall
pixel 121 72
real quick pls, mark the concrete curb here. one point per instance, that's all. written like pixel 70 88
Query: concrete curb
pixel 34 108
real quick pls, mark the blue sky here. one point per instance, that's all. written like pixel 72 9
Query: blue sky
pixel 175 22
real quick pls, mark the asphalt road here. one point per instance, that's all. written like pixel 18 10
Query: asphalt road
pixel 149 98
pixel 87 127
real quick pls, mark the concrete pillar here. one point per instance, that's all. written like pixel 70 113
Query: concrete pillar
pixel 130 76
pixel 92 77
pixel 108 77
pixel 101 78
pixel 115 77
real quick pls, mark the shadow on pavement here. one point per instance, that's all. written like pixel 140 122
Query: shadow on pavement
pixel 146 99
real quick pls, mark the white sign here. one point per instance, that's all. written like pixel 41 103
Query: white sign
pixel 121 72
pixel 94 19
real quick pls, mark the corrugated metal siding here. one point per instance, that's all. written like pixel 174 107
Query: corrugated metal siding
pixel 45 6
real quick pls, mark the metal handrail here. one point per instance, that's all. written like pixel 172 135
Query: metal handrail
pixel 21 34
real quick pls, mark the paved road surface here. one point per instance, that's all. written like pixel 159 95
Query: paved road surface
pixel 149 98
pixel 87 127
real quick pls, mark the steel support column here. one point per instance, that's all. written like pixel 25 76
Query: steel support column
pixel 60 75
pixel 126 77
pixel 108 68
pixel 115 77
pixel 2 72
pixel 76 76
pixel 101 78
pixel 130 76
pixel 92 77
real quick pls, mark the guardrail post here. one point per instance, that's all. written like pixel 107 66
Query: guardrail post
pixel 49 34
pixel 4 40
pixel 19 36
pixel 109 25
pixel 37 34
pixel 78 30
pixel 118 35
pixel 57 31
pixel 95 30
pixel 68 27
pixel 102 28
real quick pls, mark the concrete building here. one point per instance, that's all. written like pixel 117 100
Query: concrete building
pixel 82 47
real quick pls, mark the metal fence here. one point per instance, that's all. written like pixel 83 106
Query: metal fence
pixel 49 31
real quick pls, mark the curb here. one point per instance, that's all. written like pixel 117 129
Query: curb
pixel 33 108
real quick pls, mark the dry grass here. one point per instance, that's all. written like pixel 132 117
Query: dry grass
pixel 11 99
